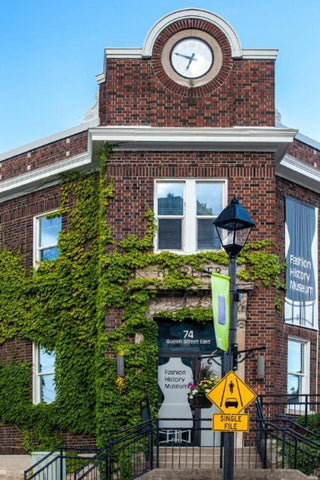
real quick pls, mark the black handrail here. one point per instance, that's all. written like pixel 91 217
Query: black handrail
pixel 297 449
pixel 54 464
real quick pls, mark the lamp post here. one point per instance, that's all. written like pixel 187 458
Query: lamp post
pixel 233 227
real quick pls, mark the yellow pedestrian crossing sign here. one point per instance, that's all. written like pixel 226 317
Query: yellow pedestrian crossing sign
pixel 231 395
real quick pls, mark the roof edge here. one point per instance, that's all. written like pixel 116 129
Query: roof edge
pixel 94 122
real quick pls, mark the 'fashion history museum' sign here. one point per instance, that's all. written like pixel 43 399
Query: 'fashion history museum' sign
pixel 301 304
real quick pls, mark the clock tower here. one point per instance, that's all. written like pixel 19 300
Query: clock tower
pixel 191 72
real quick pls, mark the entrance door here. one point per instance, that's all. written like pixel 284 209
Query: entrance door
pixel 177 421
pixel 182 347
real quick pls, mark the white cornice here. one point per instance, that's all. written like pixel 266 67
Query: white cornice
pixel 260 139
pixel 246 53
pixel 299 172
pixel 123 52
pixel 117 53
pixel 40 177
pixel 50 139
pixel 259 54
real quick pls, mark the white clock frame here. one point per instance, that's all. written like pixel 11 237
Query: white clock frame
pixel 191 57
pixel 204 37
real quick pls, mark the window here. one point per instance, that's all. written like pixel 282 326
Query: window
pixel 46 232
pixel 43 375
pixel 298 367
pixel 185 211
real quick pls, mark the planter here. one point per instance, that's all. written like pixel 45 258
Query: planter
pixel 200 401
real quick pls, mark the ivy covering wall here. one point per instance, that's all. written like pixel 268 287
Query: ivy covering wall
pixel 63 305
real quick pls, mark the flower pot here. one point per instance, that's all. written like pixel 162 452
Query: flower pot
pixel 200 401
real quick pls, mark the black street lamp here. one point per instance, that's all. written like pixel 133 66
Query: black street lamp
pixel 233 227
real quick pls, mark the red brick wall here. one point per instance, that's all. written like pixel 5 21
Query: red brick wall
pixel 251 176
pixel 305 153
pixel 17 218
pixel 11 440
pixel 125 100
pixel 45 155
pixel 77 440
pixel 10 435
pixel 20 350
pixel 262 329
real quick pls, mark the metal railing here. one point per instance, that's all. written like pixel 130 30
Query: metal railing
pixel 275 440
pixel 295 405
pixel 283 439
pixel 59 464
pixel 127 455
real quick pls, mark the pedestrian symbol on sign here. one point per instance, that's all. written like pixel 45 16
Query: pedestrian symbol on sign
pixel 231 394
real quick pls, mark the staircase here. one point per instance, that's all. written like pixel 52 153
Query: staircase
pixel 272 449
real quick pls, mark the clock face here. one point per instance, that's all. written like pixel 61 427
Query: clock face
pixel 191 57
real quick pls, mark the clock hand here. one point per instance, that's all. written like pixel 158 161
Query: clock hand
pixel 190 60
pixel 184 56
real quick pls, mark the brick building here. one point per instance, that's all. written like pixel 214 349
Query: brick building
pixel 192 121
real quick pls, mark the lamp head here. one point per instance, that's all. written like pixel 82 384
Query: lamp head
pixel 233 227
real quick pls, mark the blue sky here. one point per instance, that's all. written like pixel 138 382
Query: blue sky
pixel 51 51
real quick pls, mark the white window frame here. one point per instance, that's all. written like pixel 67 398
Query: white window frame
pixel 37 375
pixel 190 217
pixel 305 375
pixel 36 237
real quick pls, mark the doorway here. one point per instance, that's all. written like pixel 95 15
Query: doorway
pixel 184 358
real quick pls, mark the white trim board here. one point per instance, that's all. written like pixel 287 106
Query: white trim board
pixel 268 139
pixel 260 139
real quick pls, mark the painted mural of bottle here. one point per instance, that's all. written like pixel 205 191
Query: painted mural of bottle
pixel 301 240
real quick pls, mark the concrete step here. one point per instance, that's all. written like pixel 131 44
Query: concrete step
pixel 252 474
pixel 184 458
pixel 11 475
pixel 12 467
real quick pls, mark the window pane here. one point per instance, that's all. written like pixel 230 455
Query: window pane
pixel 207 235
pixel 209 198
pixel 48 390
pixel 295 357
pixel 170 198
pixel 169 234
pixel 49 231
pixel 49 253
pixel 294 385
pixel 46 361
